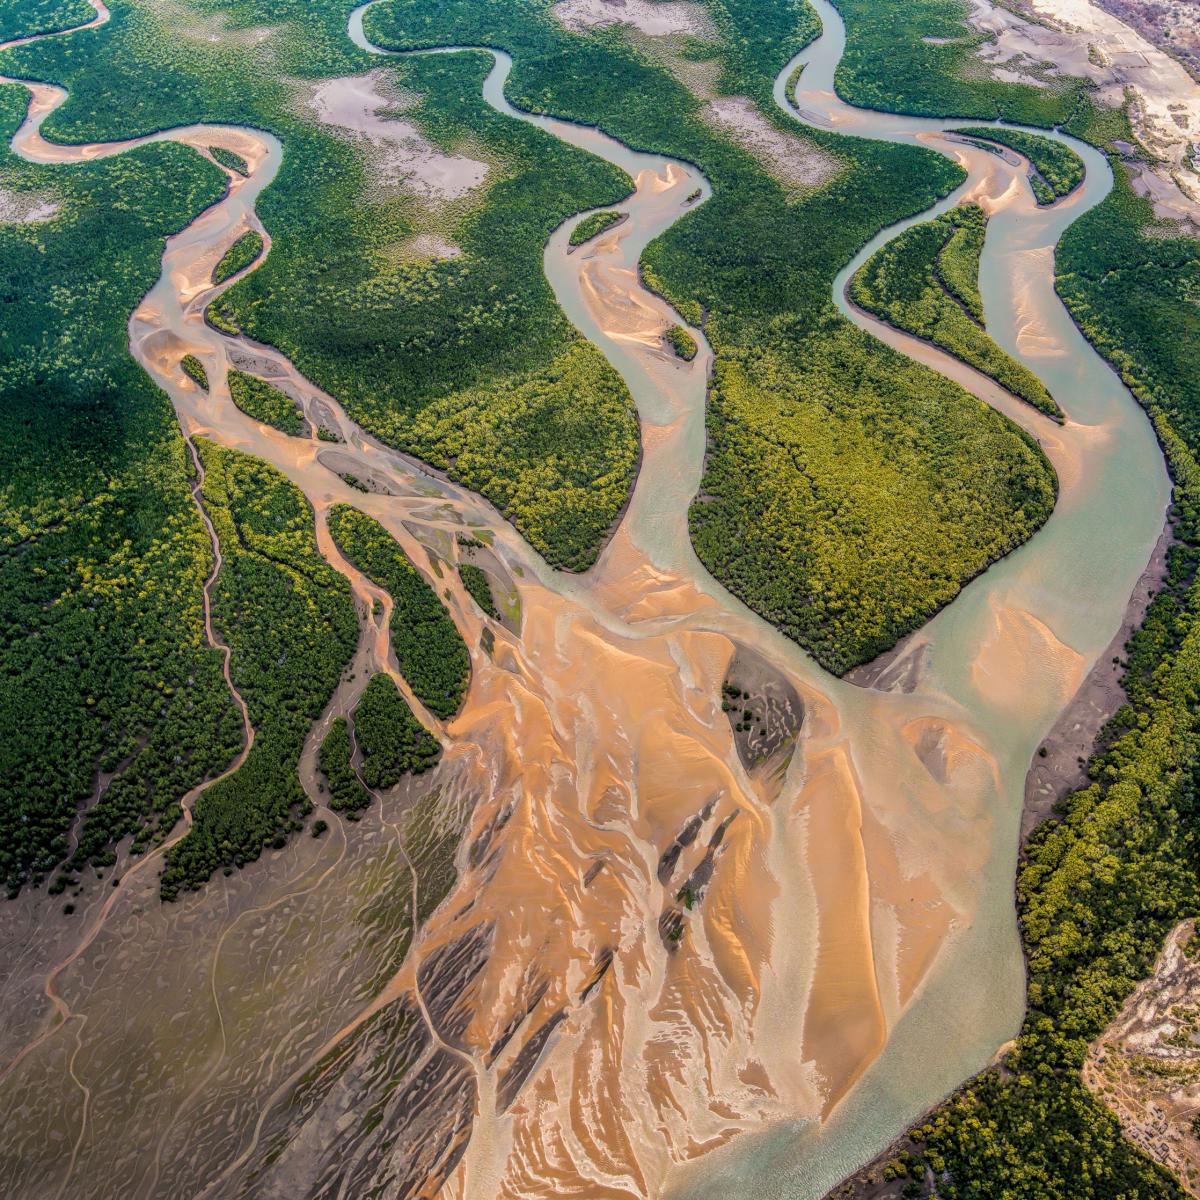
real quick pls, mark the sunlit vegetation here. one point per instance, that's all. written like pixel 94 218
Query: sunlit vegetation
pixel 681 342
pixel 1101 885
pixel 815 430
pixel 227 158
pixel 288 618
pixel 957 263
pixel 239 256
pixel 20 18
pixel 193 368
pixel 593 225
pixel 479 588
pixel 392 741
pixel 265 403
pixel 933 67
pixel 108 687
pixel 843 586
pixel 466 362
pixel 334 759
pixel 925 282
pixel 220 320
pixel 1058 169
pixel 429 650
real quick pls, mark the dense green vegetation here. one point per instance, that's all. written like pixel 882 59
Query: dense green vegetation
pixel 466 362
pixel 682 342
pixel 392 741
pixel 193 368
pixel 933 69
pixel 240 255
pixel 346 794
pixel 108 687
pixel 20 18
pixel 942 77
pixel 227 158
pixel 597 223
pixel 918 281
pixel 432 655
pixel 476 582
pixel 289 621
pixel 1059 170
pixel 219 320
pixel 957 263
pixel 258 399
pixel 816 431
pixel 1101 886
pixel 839 584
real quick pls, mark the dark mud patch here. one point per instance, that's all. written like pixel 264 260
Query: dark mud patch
pixel 765 712
pixel 899 669
pixel 1059 764
pixel 354 473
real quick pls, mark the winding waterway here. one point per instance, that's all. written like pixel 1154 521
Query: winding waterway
pixel 854 955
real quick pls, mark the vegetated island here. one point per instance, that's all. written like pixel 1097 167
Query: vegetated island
pixel 227 158
pixel 429 650
pixel 239 256
pixel 926 282
pixel 346 794
pixel 193 368
pixel 393 742
pixel 594 225
pixel 265 403
pixel 217 315
pixel 1057 169
pixel 478 586
pixel 681 342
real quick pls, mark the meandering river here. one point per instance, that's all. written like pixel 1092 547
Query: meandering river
pixel 852 953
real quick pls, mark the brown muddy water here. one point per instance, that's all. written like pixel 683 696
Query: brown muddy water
pixel 666 966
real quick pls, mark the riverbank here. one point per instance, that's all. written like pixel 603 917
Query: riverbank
pixel 1059 765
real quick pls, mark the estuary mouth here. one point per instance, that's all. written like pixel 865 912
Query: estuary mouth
pixel 672 888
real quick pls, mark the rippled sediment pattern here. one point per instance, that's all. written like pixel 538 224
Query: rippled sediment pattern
pixel 635 951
